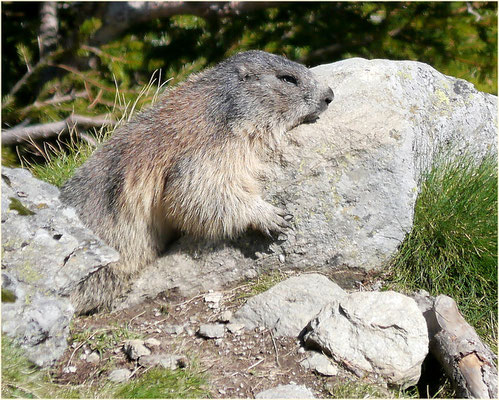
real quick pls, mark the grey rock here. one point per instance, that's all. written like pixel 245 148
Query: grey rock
pixel 174 329
pixel 213 299
pixel 119 375
pixel 46 253
pixel 225 316
pixel 350 179
pixel 235 328
pixel 168 361
pixel 135 349
pixel 291 391
pixel 378 333
pixel 212 331
pixel 288 307
pixel 93 357
pixel 320 363
pixel 152 342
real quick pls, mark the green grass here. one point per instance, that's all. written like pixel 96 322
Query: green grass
pixel 262 283
pixel 104 339
pixel 61 162
pixel 62 159
pixel 19 377
pixel 452 248
pixel 22 379
pixel 165 384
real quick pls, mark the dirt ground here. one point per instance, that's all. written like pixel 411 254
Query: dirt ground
pixel 239 365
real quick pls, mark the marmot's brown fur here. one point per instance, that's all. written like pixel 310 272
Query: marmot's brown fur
pixel 190 164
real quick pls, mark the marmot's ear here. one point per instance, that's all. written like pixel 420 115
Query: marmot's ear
pixel 244 73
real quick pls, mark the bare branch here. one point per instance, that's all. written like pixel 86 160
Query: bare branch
pixel 20 135
pixel 473 12
pixel 119 16
pixel 43 62
pixel 56 99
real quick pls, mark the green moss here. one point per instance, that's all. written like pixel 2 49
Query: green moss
pixel 15 204
pixel 8 296
pixel 28 274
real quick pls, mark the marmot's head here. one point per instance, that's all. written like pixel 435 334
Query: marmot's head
pixel 267 91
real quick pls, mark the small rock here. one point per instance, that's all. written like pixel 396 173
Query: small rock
pixel 225 316
pixel 213 300
pixel 152 342
pixel 83 356
pixel 235 328
pixel 212 331
pixel 189 331
pixel 320 363
pixel 119 375
pixel 69 370
pixel 174 329
pixel 93 357
pixel 168 361
pixel 286 392
pixel 135 349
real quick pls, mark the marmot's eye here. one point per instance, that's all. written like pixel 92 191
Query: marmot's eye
pixel 288 79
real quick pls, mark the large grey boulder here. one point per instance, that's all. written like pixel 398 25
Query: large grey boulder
pixel 288 307
pixel 375 333
pixel 46 253
pixel 350 179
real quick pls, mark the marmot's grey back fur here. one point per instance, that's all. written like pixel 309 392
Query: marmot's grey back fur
pixel 190 164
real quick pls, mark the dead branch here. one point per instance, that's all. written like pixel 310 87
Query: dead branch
pixel 18 135
pixel 43 62
pixel 119 16
pixel 56 99
pixel 468 362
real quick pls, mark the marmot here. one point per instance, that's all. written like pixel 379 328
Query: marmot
pixel 190 164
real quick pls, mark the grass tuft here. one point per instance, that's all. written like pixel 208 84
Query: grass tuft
pixel 20 377
pixel 62 159
pixel 165 384
pixel 452 248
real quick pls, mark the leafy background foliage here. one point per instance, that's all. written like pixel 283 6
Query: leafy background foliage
pixel 444 34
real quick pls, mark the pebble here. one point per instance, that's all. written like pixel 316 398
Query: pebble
pixel 212 331
pixel 225 316
pixel 235 328
pixel 93 358
pixel 320 363
pixel 164 360
pixel 119 375
pixel 174 329
pixel 152 342
pixel 135 349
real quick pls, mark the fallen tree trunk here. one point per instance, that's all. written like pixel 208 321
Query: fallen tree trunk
pixel 25 134
pixel 469 363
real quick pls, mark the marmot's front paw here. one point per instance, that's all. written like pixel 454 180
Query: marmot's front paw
pixel 276 223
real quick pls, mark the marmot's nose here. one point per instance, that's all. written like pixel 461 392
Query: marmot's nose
pixel 328 96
